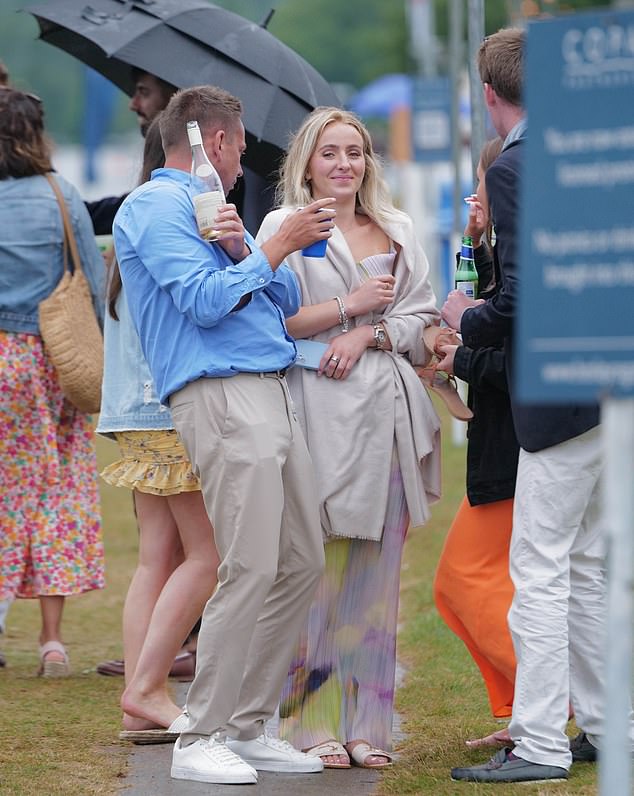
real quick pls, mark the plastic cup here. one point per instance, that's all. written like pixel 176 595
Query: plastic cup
pixel 316 249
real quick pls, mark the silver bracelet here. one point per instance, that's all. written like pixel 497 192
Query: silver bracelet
pixel 343 318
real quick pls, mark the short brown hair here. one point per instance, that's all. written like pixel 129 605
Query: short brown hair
pixel 24 147
pixel 500 63
pixel 167 90
pixel 210 106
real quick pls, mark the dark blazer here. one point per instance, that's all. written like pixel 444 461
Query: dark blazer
pixel 537 426
pixel 102 213
pixel 492 447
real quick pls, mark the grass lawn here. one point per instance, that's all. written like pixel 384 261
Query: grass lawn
pixel 59 737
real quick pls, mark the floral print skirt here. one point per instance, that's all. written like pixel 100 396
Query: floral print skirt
pixel 50 523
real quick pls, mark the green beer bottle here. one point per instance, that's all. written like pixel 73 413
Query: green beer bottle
pixel 466 278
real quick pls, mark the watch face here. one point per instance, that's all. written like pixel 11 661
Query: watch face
pixel 379 335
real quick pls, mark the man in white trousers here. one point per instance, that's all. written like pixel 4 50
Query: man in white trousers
pixel 557 553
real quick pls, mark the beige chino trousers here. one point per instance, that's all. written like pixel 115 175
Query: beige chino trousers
pixel 246 446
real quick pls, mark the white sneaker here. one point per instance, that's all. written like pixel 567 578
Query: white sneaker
pixel 272 754
pixel 210 761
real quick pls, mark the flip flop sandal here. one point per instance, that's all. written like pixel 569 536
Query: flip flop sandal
pixel 444 385
pixel 499 738
pixel 329 748
pixel 158 734
pixel 50 668
pixel 362 750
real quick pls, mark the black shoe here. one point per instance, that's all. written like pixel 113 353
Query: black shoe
pixel 582 750
pixel 501 769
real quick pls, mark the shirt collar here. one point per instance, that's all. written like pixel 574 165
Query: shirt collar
pixel 178 175
pixel 516 134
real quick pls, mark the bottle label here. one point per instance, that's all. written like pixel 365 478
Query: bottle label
pixel 203 170
pixel 206 207
pixel 468 288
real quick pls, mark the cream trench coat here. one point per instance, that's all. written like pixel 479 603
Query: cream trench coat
pixel 351 426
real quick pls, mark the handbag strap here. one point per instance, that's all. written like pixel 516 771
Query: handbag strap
pixel 69 235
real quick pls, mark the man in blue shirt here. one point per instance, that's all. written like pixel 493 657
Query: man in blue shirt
pixel 210 317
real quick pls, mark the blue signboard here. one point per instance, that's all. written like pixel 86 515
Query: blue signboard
pixel 576 306
pixel 431 119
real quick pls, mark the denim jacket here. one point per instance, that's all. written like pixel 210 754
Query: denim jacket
pixel 31 249
pixel 128 399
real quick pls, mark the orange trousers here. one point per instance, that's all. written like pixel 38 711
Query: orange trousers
pixel 473 593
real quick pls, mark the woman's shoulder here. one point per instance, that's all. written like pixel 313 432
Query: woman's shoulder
pixel 272 221
pixel 278 214
pixel 399 218
pixel 67 188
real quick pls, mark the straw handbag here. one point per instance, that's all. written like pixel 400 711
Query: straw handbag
pixel 69 326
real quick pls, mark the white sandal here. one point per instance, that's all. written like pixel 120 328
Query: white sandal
pixel 326 749
pixel 53 668
pixel 362 750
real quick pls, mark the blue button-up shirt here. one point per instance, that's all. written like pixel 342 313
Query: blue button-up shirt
pixel 182 292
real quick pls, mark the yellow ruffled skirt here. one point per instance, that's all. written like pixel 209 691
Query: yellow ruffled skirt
pixel 153 462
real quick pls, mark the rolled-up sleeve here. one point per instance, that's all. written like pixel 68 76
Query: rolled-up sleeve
pixel 284 290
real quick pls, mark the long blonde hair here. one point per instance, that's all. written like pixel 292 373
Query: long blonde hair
pixel 373 197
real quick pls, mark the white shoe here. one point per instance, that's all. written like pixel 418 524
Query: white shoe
pixel 211 761
pixel 266 753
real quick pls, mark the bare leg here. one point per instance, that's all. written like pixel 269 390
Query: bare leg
pixel 159 549
pixel 146 700
pixel 51 609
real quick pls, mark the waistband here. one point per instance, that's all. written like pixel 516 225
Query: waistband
pixel 272 374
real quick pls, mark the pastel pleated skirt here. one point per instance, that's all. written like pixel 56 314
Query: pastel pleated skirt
pixel 341 681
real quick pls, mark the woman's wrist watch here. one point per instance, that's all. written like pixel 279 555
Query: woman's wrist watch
pixel 380 335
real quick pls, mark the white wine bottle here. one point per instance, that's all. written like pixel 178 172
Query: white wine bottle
pixel 206 188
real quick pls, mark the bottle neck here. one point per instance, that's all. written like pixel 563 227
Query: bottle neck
pixel 194 135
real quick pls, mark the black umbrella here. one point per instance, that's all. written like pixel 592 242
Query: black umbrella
pixel 189 43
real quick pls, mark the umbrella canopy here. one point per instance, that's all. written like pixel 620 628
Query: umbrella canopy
pixel 190 43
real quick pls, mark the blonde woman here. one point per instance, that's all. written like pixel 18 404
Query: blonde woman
pixel 371 430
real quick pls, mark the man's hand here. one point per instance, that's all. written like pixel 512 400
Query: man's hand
pixel 231 230
pixel 300 229
pixel 455 305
